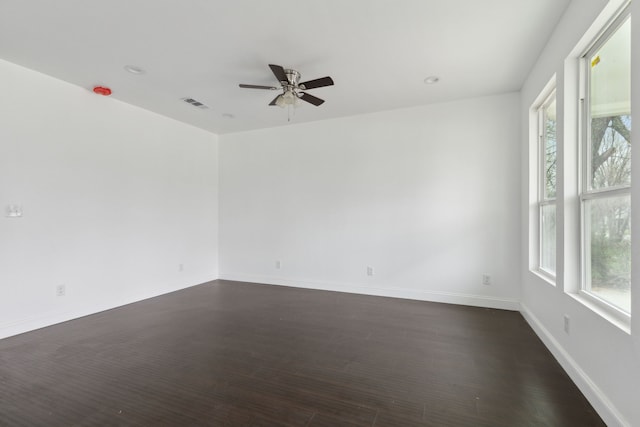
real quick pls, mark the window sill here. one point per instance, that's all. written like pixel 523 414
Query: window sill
pixel 621 321
pixel 545 276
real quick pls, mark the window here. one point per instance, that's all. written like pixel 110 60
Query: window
pixel 605 190
pixel 547 164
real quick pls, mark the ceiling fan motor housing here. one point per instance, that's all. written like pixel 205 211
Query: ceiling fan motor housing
pixel 293 77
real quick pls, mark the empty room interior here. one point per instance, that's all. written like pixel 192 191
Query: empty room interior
pixel 362 213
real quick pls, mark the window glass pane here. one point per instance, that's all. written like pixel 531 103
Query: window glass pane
pixel 550 149
pixel 609 262
pixel 548 238
pixel 610 110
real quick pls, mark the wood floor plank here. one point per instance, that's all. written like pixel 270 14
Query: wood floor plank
pixel 239 354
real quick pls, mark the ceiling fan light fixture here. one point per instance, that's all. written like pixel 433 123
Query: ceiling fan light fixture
pixel 287 98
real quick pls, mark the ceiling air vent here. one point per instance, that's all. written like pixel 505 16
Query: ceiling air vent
pixel 195 103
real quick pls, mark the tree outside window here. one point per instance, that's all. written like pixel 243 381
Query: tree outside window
pixel 606 200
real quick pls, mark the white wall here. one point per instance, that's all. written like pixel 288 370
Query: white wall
pixel 603 359
pixel 114 199
pixel 428 196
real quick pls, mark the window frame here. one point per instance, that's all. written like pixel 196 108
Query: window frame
pixel 585 192
pixel 548 96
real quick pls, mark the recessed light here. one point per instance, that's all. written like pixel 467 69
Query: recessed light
pixel 133 69
pixel 431 80
pixel 228 115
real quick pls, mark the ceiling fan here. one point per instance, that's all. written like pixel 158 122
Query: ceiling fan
pixel 292 89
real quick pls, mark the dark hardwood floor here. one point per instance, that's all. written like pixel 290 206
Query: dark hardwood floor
pixel 238 354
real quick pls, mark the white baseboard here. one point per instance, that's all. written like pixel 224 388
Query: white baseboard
pixel 595 396
pixel 414 294
pixel 31 323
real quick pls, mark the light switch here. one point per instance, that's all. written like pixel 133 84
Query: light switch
pixel 13 211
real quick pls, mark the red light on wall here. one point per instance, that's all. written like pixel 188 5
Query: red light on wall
pixel 101 90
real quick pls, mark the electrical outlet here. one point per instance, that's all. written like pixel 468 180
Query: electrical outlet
pixel 567 323
pixel 61 290
pixel 370 271
pixel 278 264
pixel 180 267
pixel 486 280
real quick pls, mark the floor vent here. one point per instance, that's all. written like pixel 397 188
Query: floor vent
pixel 195 103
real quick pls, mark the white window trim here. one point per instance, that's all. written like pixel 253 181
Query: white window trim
pixel 546 97
pixel 604 309
pixel 607 310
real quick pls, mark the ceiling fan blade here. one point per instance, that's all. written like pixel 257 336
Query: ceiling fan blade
pixel 274 100
pixel 257 87
pixel 311 99
pixel 312 84
pixel 278 71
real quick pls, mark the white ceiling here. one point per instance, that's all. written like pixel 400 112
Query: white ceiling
pixel 378 52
